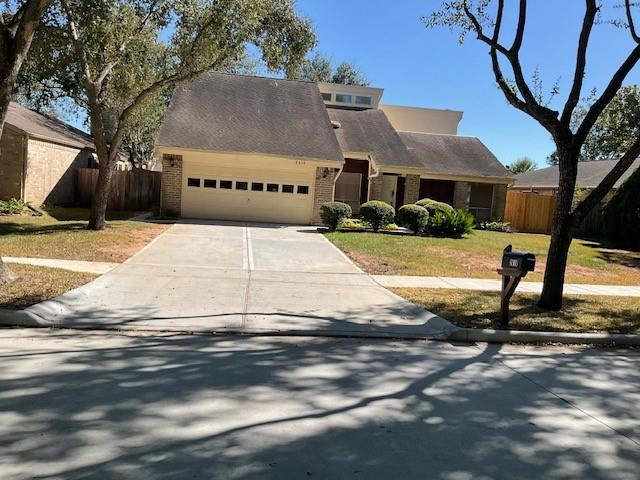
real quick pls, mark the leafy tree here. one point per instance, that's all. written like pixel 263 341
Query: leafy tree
pixel 522 165
pixel 120 59
pixel 318 68
pixel 18 24
pixel 486 19
pixel 614 131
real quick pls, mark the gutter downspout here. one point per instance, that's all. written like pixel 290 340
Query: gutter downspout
pixel 23 172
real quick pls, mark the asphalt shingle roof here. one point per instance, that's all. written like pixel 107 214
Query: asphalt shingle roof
pixel 237 113
pixel 369 131
pixel 590 174
pixel 453 155
pixel 45 127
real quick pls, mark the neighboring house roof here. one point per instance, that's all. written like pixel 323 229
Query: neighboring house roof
pixel 590 174
pixel 369 131
pixel 238 113
pixel 454 155
pixel 45 127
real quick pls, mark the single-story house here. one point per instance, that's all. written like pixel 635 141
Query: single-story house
pixel 545 180
pixel 261 149
pixel 590 174
pixel 40 157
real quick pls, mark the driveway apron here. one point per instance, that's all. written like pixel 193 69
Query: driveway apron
pixel 237 277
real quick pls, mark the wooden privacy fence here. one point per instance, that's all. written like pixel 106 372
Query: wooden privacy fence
pixel 530 212
pixel 130 190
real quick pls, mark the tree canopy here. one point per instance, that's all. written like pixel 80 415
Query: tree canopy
pixel 319 68
pixel 523 164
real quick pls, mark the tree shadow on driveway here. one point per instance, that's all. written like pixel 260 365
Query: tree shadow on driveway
pixel 108 406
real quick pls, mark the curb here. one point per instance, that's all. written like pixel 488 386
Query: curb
pixel 522 336
pixel 23 318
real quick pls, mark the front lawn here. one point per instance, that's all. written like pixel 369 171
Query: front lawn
pixel 479 254
pixel 61 233
pixel 37 284
pixel 475 309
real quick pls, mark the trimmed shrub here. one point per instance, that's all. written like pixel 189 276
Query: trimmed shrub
pixel 621 214
pixel 377 214
pixel 413 217
pixel 332 213
pixel 433 206
pixel 391 227
pixel 454 224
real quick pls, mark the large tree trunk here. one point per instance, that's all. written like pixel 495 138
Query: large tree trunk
pixel 97 218
pixel 561 233
pixel 6 275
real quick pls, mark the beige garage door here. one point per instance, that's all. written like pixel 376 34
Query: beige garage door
pixel 282 193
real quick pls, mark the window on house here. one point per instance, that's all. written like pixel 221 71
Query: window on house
pixel 363 100
pixel 342 98
pixel 326 97
pixel 303 190
pixel 272 187
pixel 242 185
pixel 287 188
pixel 257 187
pixel 226 184
pixel 208 183
pixel 193 182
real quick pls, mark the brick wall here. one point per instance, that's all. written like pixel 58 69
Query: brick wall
pixel 11 164
pixel 461 193
pixel 499 201
pixel 51 172
pixel 171 194
pixel 323 192
pixel 375 187
pixel 411 189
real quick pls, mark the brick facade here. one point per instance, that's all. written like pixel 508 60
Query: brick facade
pixel 461 194
pixel 375 187
pixel 51 172
pixel 323 191
pixel 499 201
pixel 411 189
pixel 171 194
pixel 12 146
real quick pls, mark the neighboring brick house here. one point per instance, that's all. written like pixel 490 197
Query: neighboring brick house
pixel 40 157
pixel 237 147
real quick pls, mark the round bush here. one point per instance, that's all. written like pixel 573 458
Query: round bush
pixel 433 206
pixel 413 217
pixel 332 213
pixel 377 214
pixel 621 214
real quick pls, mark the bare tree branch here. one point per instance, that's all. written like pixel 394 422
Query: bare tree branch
pixel 596 195
pixel 493 43
pixel 581 61
pixel 630 22
pixel 607 95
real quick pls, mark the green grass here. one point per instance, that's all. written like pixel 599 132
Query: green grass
pixel 37 284
pixel 473 309
pixel 479 254
pixel 61 233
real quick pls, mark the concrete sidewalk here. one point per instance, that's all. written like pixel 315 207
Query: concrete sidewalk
pixel 99 268
pixel 405 281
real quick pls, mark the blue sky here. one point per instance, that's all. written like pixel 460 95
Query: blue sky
pixel 425 67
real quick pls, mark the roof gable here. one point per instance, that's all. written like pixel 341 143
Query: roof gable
pixel 237 113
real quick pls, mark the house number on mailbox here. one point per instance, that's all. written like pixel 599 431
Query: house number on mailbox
pixel 300 162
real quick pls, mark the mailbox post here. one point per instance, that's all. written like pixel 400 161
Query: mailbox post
pixel 515 266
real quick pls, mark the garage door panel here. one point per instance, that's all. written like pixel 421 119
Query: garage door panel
pixel 248 205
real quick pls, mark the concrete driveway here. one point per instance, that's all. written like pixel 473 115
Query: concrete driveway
pixel 214 276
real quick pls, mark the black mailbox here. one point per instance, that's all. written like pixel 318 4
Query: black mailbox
pixel 515 266
pixel 520 261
